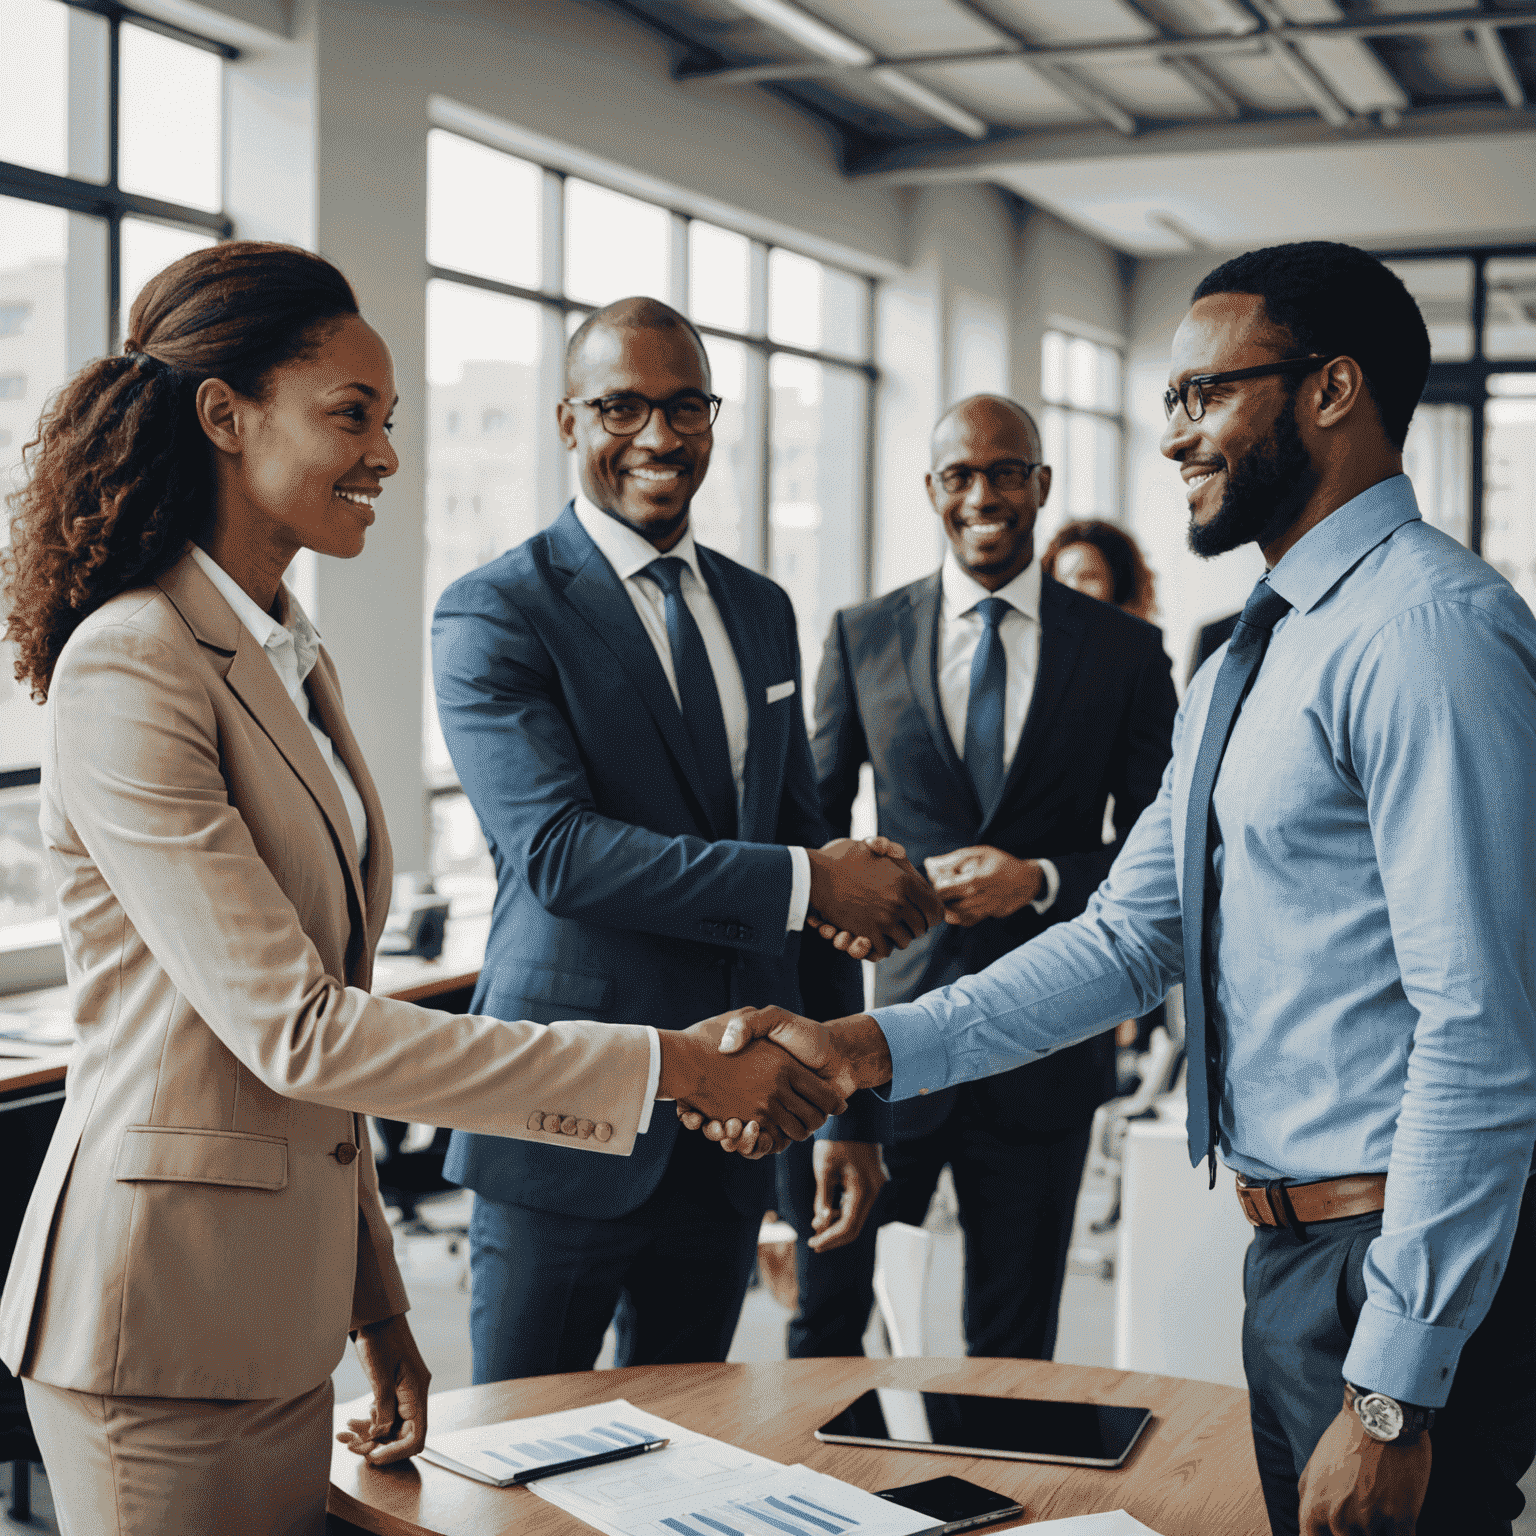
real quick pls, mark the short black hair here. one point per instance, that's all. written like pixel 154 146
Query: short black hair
pixel 637 313
pixel 1342 302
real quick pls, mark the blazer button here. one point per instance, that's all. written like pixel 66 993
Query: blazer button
pixel 552 1123
pixel 584 1129
pixel 536 1120
pixel 344 1152
pixel 568 1126
pixel 603 1131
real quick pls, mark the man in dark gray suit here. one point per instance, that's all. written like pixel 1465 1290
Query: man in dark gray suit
pixel 1001 712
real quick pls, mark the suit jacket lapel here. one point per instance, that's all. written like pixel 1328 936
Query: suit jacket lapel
pixel 920 650
pixel 594 589
pixel 1061 638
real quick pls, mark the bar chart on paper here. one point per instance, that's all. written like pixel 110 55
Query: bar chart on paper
pixel 500 1453
pixel 704 1487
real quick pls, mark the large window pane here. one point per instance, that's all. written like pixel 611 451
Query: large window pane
pixel 719 262
pixel 482 410
pixel 1438 459
pixel 170 133
pixel 1509 485
pixel 483 210
pixel 34 84
pixel 816 307
pixel 1443 291
pixel 816 495
pixel 26 892
pixel 614 245
pixel 1511 321
pixel 148 248
pixel 723 507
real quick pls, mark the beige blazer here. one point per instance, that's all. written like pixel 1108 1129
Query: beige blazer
pixel 207 1222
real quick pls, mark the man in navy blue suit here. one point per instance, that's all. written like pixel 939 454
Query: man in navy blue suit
pixel 1001 711
pixel 623 708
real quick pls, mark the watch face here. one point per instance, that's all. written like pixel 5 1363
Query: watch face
pixel 1380 1415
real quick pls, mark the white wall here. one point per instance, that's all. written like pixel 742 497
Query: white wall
pixel 1190 591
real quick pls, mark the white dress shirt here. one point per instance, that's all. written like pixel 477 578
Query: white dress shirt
pixel 293 650
pixel 960 632
pixel 629 554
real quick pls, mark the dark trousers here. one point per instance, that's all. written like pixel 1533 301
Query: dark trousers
pixel 1017 1199
pixel 1303 1299
pixel 670 1276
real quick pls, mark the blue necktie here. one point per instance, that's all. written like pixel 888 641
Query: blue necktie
pixel 701 699
pixel 984 712
pixel 1263 610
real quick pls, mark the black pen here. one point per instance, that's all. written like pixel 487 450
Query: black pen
pixel 622 1453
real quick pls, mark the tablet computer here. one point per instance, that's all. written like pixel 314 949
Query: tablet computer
pixel 1017 1428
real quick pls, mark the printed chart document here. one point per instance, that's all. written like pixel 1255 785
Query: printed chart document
pixel 1113 1523
pixel 703 1487
pixel 503 1453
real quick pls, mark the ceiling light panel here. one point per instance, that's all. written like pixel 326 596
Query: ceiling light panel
pixel 1257 80
pixel 807 30
pixel 1348 67
pixel 1005 93
pixel 909 26
pixel 1081 21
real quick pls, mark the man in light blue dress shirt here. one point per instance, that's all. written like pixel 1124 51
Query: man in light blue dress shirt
pixel 1368 942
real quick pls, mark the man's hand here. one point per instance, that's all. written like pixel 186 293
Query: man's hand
pixel 397 1427
pixel 867 894
pixel 851 944
pixel 1356 1486
pixel 767 1088
pixel 979 882
pixel 849 1054
pixel 849 1176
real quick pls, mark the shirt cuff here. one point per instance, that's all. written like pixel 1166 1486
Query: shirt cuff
pixel 1044 902
pixel 1409 1360
pixel 799 889
pixel 652 1080
pixel 919 1059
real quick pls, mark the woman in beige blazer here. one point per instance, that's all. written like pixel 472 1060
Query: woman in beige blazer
pixel 207 1226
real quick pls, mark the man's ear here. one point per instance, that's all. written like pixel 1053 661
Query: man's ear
pixel 218 414
pixel 1043 479
pixel 565 423
pixel 1338 391
pixel 933 493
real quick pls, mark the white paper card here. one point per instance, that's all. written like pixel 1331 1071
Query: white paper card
pixel 777 691
pixel 1112 1523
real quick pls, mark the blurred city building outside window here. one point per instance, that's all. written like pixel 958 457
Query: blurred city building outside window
pixel 92 204
pixel 1081 429
pixel 788 341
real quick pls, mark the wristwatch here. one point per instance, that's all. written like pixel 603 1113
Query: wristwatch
pixel 1384 1418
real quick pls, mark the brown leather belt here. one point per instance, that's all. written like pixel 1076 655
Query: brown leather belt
pixel 1284 1205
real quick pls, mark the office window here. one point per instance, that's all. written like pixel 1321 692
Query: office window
pixel 1081 428
pixel 789 345
pixel 91 204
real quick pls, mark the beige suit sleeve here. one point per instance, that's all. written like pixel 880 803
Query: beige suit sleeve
pixel 141 785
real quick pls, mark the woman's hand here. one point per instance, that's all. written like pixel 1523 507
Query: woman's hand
pixel 399 1376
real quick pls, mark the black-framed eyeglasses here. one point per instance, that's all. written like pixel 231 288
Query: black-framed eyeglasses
pixel 1005 476
pixel 1188 394
pixel 688 413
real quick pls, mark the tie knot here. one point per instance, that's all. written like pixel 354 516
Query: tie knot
pixel 1264 608
pixel 667 573
pixel 993 610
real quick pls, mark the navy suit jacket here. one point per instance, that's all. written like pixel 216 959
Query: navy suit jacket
pixel 614 900
pixel 1100 723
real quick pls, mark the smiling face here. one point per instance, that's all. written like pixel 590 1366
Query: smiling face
pixel 991 532
pixel 647 480
pixel 314 451
pixel 1246 471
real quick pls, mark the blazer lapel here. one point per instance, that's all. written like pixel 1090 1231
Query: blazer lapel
pixel 1061 638
pixel 594 589
pixel 920 650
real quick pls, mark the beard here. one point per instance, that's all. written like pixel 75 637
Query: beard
pixel 1266 491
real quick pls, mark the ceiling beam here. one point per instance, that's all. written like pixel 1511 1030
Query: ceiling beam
pixel 916 163
pixel 1500 65
pixel 1131 50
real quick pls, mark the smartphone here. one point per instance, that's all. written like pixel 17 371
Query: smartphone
pixel 957 1504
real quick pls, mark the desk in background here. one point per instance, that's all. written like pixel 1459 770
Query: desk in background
pixel 1191 1474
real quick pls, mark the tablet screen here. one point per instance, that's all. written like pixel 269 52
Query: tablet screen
pixel 1021 1428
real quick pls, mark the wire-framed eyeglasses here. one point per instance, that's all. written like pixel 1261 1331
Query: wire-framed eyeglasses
pixel 1189 393
pixel 688 412
pixel 1005 476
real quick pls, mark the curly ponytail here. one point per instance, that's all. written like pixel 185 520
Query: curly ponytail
pixel 120 476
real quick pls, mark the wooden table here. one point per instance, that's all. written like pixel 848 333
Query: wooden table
pixel 1191 1474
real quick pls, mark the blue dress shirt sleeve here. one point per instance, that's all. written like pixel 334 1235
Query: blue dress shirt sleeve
pixel 1442 733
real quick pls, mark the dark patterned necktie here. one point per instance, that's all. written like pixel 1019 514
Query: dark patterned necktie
pixel 700 697
pixel 984 712
pixel 1203 1074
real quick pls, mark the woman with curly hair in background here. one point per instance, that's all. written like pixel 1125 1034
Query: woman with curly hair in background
pixel 1102 560
pixel 207 1227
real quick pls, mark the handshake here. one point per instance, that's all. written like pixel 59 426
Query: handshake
pixel 756 1079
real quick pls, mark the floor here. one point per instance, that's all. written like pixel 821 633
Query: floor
pixel 435 1273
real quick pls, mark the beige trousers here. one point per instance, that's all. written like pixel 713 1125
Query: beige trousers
pixel 172 1466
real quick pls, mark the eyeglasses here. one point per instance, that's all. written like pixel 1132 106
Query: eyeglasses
pixel 1188 394
pixel 688 413
pixel 1005 476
